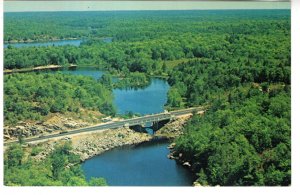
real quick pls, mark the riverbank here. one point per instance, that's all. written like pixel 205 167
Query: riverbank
pixel 53 123
pixel 90 144
pixel 87 145
pixel 39 40
pixel 173 129
pixel 38 68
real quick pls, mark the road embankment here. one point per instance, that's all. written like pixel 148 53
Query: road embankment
pixel 87 145
pixel 37 68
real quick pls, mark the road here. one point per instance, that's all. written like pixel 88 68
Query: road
pixel 118 124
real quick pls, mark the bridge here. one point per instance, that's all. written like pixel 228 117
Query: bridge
pixel 154 118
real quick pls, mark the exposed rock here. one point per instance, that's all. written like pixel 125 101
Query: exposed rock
pixel 172 129
pixel 171 146
pixel 196 184
pixel 20 127
pixel 170 156
pixel 71 124
pixel 56 123
pixel 21 123
pixel 93 144
pixel 186 164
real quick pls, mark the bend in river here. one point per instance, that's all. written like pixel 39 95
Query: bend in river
pixel 148 100
pixel 143 165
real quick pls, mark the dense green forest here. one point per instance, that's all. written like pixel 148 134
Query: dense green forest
pixel 60 168
pixel 243 139
pixel 142 41
pixel 238 63
pixel 32 96
pixel 134 25
pixel 245 136
pixel 133 80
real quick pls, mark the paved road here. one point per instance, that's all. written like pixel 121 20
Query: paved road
pixel 117 124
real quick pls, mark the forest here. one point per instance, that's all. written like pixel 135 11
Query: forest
pixel 33 96
pixel 244 138
pixel 238 63
pixel 142 41
pixel 51 171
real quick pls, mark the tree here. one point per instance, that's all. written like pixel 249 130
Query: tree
pixel 97 182
pixel 106 80
pixel 58 162
pixel 174 98
pixel 15 155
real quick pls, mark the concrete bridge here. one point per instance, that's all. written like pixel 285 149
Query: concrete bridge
pixel 154 119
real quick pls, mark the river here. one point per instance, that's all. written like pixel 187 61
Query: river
pixel 43 44
pixel 143 101
pixel 74 42
pixel 143 165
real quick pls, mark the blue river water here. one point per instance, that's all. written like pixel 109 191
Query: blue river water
pixel 143 101
pixel 74 42
pixel 91 72
pixel 49 43
pixel 143 165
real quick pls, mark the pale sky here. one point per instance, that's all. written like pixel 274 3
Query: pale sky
pixel 25 6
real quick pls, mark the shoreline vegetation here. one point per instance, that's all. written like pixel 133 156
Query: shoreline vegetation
pixel 240 66
pixel 76 149
pixel 33 97
pixel 39 40
pixel 38 68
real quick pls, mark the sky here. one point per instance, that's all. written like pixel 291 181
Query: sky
pixel 26 6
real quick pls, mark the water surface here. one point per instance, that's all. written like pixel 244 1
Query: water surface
pixel 144 101
pixel 43 44
pixel 91 72
pixel 74 42
pixel 148 100
pixel 143 165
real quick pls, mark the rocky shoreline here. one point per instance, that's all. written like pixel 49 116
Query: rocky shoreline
pixel 27 129
pixel 172 129
pixel 97 143
pixel 92 144
pixel 87 145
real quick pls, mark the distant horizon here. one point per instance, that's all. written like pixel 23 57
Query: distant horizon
pixel 80 6
pixel 146 10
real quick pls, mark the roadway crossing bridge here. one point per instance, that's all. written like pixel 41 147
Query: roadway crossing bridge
pixel 154 119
